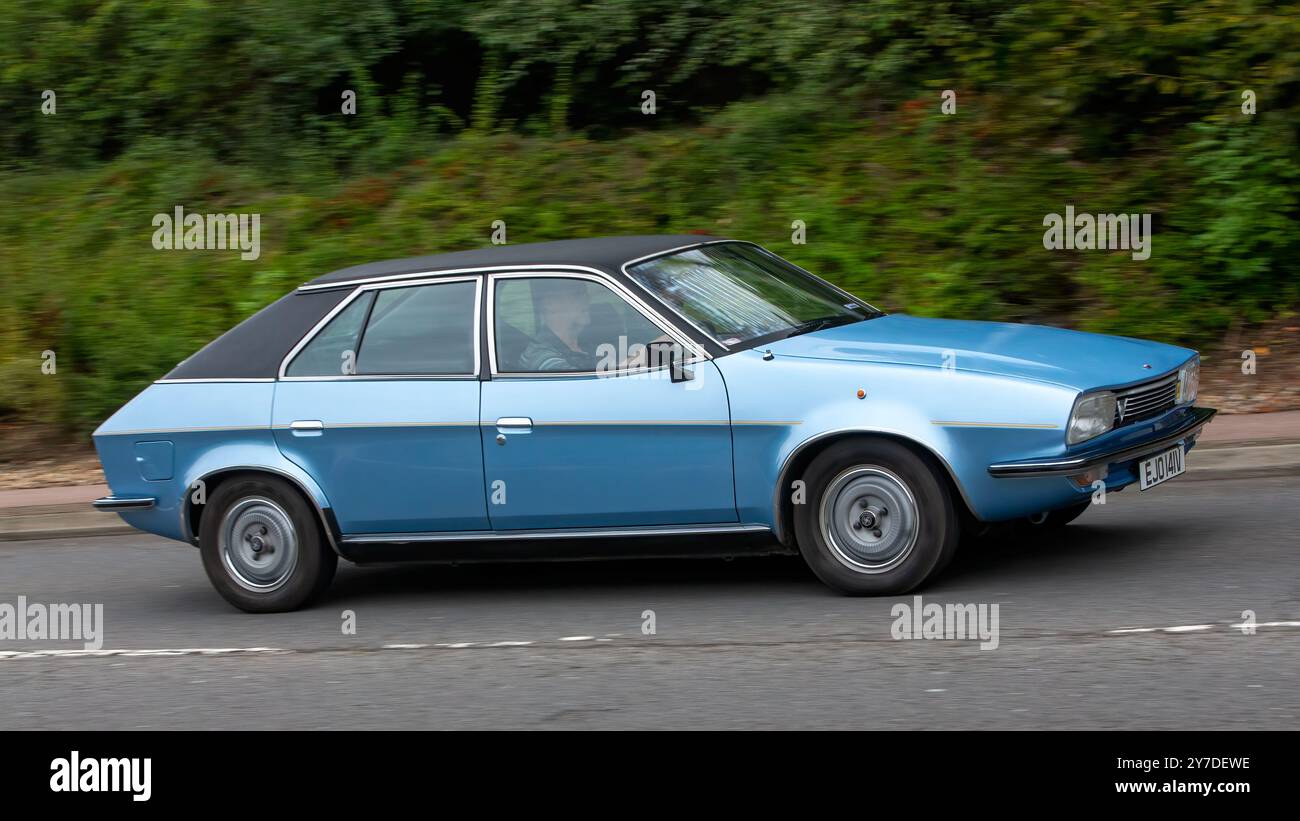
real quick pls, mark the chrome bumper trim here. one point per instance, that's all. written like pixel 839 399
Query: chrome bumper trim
pixel 1187 426
pixel 114 503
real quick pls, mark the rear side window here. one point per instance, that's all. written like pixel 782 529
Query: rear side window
pixel 333 351
pixel 425 330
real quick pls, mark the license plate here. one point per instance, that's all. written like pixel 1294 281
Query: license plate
pixel 1161 468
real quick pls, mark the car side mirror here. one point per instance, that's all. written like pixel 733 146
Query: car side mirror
pixel 670 353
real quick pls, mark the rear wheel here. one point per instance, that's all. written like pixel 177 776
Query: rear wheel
pixel 878 521
pixel 262 546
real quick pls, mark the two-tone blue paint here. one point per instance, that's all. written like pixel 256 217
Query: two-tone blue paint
pixel 969 393
pixel 227 425
pixel 609 451
pixel 397 456
pixel 393 455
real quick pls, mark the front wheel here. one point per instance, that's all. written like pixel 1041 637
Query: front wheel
pixel 878 520
pixel 262 547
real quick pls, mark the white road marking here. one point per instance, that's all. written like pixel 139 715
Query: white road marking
pixel 462 645
pixel 197 651
pixel 246 651
pixel 1200 628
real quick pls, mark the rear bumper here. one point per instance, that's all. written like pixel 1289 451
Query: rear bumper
pixel 114 504
pixel 1185 426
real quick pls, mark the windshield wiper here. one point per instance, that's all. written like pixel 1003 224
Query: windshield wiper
pixel 820 324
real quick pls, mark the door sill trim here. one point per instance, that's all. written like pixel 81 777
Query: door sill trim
pixel 575 533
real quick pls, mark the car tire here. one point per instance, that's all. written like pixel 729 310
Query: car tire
pixel 908 527
pixel 1055 519
pixel 262 546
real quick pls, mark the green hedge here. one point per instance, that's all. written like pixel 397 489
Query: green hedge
pixel 529 112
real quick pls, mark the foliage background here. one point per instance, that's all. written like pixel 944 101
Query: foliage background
pixel 529 111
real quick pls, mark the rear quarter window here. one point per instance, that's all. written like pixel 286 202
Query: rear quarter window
pixel 332 352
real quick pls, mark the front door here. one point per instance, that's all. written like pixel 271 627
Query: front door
pixel 578 432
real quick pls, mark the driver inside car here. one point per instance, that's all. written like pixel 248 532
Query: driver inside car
pixel 563 310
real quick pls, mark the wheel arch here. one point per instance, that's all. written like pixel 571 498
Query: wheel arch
pixel 192 514
pixel 805 452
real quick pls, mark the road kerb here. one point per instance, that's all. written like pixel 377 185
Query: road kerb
pixel 1203 464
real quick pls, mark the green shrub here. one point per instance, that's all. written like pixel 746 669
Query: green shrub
pixel 767 112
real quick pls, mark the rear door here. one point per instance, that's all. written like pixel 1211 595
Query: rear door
pixel 381 407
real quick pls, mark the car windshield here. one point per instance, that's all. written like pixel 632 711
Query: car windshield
pixel 738 293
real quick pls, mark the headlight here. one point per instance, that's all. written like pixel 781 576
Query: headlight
pixel 1093 415
pixel 1189 379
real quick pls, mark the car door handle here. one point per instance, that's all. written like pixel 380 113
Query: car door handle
pixel 518 424
pixel 306 427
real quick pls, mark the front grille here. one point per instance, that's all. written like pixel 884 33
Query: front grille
pixel 1145 401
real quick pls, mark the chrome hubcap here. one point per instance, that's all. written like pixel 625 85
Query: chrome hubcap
pixel 258 544
pixel 869 519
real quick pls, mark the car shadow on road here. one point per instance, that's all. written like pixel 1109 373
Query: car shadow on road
pixel 549 577
pixel 1078 548
pixel 1004 551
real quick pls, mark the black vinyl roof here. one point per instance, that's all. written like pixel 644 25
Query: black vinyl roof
pixel 604 253
pixel 255 347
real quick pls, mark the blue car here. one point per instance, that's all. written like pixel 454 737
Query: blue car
pixel 627 396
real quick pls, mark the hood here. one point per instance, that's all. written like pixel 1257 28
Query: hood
pixel 1074 359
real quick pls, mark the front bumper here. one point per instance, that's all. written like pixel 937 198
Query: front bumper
pixel 1187 425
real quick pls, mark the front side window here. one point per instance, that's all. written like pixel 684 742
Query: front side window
pixel 738 293
pixel 567 325
pixel 425 330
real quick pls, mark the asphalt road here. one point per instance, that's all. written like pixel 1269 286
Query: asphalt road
pixel 751 643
